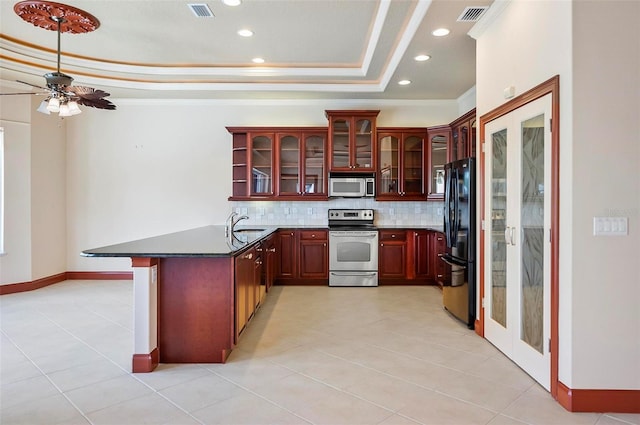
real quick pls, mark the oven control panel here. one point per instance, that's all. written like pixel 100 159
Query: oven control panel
pixel 351 214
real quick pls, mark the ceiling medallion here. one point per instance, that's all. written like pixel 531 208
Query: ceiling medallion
pixel 48 15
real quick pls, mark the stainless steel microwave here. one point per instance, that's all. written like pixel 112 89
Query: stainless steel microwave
pixel 351 186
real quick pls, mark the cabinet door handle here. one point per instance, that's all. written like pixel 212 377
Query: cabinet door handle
pixel 271 250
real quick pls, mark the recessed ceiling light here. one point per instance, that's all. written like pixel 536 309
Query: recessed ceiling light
pixel 257 60
pixel 231 2
pixel 245 33
pixel 404 82
pixel 422 58
pixel 440 32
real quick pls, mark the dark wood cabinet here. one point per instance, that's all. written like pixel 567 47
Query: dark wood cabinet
pixel 401 164
pixel 438 154
pixel 269 253
pixel 422 255
pixel 352 140
pixel 287 254
pixel 279 163
pixel 392 256
pixel 248 271
pixel 463 136
pixel 440 268
pixel 303 257
pixel 314 254
pixel 302 163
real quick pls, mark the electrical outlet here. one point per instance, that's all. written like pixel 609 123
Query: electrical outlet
pixel 309 211
pixel 392 211
pixel 439 211
pixel 243 211
pixel 286 211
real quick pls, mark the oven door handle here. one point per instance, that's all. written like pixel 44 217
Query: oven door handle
pixel 353 274
pixel 352 235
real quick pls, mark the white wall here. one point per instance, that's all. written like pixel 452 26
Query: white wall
pixel 35 233
pixel 599 283
pixel 154 167
pixel 606 162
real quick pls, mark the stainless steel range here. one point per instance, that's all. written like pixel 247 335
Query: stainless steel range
pixel 353 248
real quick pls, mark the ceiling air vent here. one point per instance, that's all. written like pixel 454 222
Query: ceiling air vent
pixel 201 10
pixel 472 13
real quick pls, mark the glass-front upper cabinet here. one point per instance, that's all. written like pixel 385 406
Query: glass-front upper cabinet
pixel 302 163
pixel 463 136
pixel 314 171
pixel 261 162
pixel 401 158
pixel 352 135
pixel 439 139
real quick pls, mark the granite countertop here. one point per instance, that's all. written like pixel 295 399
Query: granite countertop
pixel 208 241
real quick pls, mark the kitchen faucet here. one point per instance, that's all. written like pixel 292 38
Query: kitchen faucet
pixel 231 223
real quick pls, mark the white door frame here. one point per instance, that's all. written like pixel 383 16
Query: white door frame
pixel 550 86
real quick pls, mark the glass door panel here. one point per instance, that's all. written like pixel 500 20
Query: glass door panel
pixel 363 143
pixel 289 164
pixel 413 165
pixel 499 235
pixel 389 161
pixel 532 220
pixel 261 165
pixel 340 143
pixel 314 172
pixel 438 160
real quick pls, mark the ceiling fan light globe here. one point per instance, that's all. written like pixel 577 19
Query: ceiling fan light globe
pixel 54 105
pixel 64 110
pixel 43 108
pixel 74 109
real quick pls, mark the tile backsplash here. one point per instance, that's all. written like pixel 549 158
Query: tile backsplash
pixel 311 213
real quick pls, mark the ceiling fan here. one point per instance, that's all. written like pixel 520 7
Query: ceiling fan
pixel 62 96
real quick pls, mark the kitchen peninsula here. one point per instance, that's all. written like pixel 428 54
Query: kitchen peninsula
pixel 185 292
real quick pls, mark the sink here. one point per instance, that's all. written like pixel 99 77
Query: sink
pixel 248 230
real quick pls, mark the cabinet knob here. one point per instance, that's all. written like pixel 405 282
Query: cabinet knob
pixel 393 236
pixel 271 250
pixel 324 244
pixel 313 236
pixel 381 244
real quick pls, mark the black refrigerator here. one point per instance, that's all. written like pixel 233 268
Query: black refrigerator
pixel 459 290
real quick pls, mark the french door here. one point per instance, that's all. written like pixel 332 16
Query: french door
pixel 518 232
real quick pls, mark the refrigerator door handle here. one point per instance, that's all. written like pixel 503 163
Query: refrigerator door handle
pixel 511 236
pixel 450 261
pixel 507 239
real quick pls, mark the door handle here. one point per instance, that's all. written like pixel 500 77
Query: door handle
pixel 511 236
pixel 507 240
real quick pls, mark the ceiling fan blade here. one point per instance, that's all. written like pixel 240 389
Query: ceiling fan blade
pixel 32 85
pixel 13 94
pixel 89 96
pixel 96 103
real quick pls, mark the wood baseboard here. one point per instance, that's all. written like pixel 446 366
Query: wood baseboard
pixel 145 363
pixel 601 401
pixel 13 288
pixel 99 275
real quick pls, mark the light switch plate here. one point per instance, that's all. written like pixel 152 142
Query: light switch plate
pixel 610 226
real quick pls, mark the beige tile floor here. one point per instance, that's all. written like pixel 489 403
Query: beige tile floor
pixel 311 355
